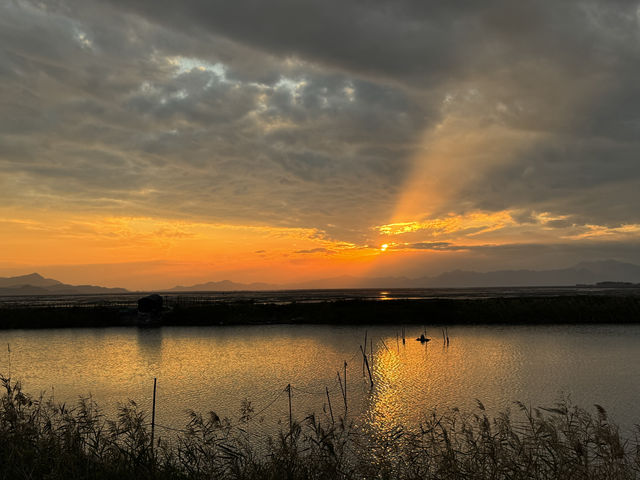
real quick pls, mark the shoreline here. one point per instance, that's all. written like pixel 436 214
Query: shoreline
pixel 521 310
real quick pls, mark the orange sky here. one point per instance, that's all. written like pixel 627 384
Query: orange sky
pixel 144 252
pixel 146 146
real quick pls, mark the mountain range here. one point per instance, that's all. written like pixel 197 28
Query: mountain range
pixel 225 286
pixel 586 273
pixel 36 284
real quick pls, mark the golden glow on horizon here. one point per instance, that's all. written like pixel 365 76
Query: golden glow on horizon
pixel 431 216
pixel 146 252
pixel 452 156
pixel 167 250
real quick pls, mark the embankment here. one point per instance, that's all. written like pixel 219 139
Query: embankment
pixel 512 310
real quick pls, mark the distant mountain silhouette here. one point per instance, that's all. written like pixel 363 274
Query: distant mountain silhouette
pixel 587 273
pixel 33 279
pixel 583 273
pixel 36 284
pixel 224 286
pixel 614 271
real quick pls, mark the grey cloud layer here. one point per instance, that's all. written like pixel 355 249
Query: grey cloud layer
pixel 128 116
pixel 309 113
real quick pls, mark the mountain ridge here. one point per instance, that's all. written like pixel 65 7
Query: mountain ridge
pixel 223 285
pixel 590 273
pixel 582 273
pixel 32 279
pixel 36 284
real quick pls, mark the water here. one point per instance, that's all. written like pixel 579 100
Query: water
pixel 216 368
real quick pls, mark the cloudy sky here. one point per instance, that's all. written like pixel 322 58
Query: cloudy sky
pixel 145 143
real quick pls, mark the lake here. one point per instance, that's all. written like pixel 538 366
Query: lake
pixel 216 368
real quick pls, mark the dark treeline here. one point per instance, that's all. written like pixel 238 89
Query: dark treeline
pixel 518 310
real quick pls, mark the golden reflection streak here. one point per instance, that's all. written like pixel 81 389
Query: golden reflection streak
pixel 386 411
pixel 415 379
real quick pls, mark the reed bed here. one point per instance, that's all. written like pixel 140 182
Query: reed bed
pixel 43 440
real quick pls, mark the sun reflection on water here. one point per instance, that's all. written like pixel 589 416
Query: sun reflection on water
pixel 413 380
pixel 386 409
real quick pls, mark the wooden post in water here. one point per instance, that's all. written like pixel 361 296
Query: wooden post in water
pixel 290 415
pixel 365 344
pixel 345 385
pixel 366 362
pixel 329 402
pixel 153 413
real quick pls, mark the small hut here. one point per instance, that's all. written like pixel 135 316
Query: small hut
pixel 149 309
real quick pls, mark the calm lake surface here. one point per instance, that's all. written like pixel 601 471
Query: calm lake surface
pixel 216 368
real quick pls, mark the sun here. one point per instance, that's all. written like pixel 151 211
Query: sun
pixel 384 247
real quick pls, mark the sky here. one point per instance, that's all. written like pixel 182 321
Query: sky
pixel 149 143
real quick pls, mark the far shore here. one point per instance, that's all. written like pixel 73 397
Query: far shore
pixel 518 310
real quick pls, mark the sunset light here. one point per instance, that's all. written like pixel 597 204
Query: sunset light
pixel 319 239
pixel 245 160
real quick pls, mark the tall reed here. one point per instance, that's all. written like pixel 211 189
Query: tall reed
pixel 40 439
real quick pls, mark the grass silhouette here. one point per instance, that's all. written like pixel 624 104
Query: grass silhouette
pixel 40 439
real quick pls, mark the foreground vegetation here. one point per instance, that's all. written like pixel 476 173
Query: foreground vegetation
pixel 39 439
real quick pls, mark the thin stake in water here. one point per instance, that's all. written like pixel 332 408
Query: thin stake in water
pixel 153 413
pixel 364 355
pixel 290 414
pixel 365 344
pixel 345 385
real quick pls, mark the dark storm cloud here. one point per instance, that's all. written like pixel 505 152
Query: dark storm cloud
pixel 403 38
pixel 114 109
pixel 593 180
pixel 309 114
pixel 567 69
